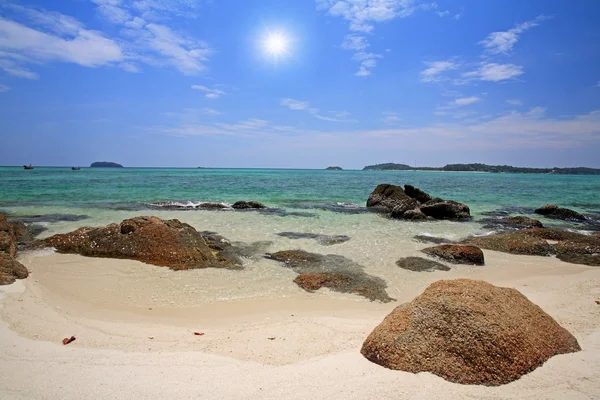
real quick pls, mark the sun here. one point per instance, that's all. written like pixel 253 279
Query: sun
pixel 275 44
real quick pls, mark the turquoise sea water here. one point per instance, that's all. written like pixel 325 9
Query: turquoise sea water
pixel 288 189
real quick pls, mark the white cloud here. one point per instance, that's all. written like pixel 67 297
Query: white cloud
pixel 298 105
pixel 355 42
pixel 211 93
pixel 435 69
pixel 598 84
pixel 514 102
pixel 390 117
pixel 493 72
pixel 67 41
pixel 4 88
pixel 465 101
pixel 211 111
pixel 503 42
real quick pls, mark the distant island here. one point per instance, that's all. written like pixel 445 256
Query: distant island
pixel 105 164
pixel 334 168
pixel 484 168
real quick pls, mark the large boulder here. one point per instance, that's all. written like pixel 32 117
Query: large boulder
pixel 457 254
pixel 8 239
pixel 468 332
pixel 553 211
pixel 445 209
pixel 152 240
pixel 521 221
pixel 244 205
pixel 405 206
pixel 10 269
pixel 513 243
pixel 386 197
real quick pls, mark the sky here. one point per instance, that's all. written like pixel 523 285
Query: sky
pixel 299 83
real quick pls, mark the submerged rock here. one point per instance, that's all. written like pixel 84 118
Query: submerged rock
pixel 420 264
pixel 522 221
pixel 468 332
pixel 553 211
pixel 332 271
pixel 432 239
pixel 457 254
pixel 152 240
pixel 325 240
pixel 513 243
pixel 244 205
pixel 28 219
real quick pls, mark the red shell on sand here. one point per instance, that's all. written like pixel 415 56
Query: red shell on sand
pixel 69 340
pixel 198 333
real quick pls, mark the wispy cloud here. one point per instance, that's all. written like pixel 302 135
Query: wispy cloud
pixel 331 116
pixel 493 72
pixel 4 88
pixel 210 93
pixel 435 69
pixel 211 111
pixel 465 101
pixel 514 102
pixel 390 117
pixel 504 41
pixel 37 36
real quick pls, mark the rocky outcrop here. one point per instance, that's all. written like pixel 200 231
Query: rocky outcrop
pixel 244 205
pixel 468 332
pixel 414 204
pixel 521 221
pixel 168 243
pixel 105 164
pixel 419 264
pixel 553 211
pixel 331 271
pixel 568 246
pixel 457 254
pixel 431 239
pixel 335 168
pixel 10 269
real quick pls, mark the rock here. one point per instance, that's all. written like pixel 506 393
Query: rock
pixel 26 233
pixel 445 209
pixel 332 271
pixel 413 215
pixel 420 264
pixel 334 168
pixel 242 205
pixel 457 254
pixel 431 239
pixel 416 194
pixel 168 243
pixel 468 332
pixel 593 260
pixel 523 221
pixel 325 240
pixel 386 197
pixel 404 205
pixel 28 219
pixel 551 210
pixel 513 243
pixel 11 269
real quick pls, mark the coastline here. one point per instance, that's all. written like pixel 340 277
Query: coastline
pixel 314 353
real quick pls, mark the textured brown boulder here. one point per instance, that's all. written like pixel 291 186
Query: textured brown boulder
pixel 417 194
pixel 513 243
pixel 8 240
pixel 413 215
pixel 11 269
pixel 168 243
pixel 243 205
pixel 521 221
pixel 331 271
pixel 468 332
pixel 551 210
pixel 403 206
pixel 386 197
pixel 419 264
pixel 457 254
pixel 445 209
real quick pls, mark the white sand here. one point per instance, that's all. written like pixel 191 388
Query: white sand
pixel 115 306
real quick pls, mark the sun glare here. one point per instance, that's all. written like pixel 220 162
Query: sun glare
pixel 275 44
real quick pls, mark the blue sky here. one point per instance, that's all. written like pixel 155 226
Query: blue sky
pixel 190 83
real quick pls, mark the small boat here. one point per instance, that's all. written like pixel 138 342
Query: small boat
pixel 28 166
pixel 75 168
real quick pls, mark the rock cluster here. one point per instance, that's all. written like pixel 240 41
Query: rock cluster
pixel 10 269
pixel 568 246
pixel 468 332
pixel 414 204
pixel 152 240
pixel 553 211
pixel 419 264
pixel 331 271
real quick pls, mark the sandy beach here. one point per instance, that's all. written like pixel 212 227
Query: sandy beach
pixel 135 326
